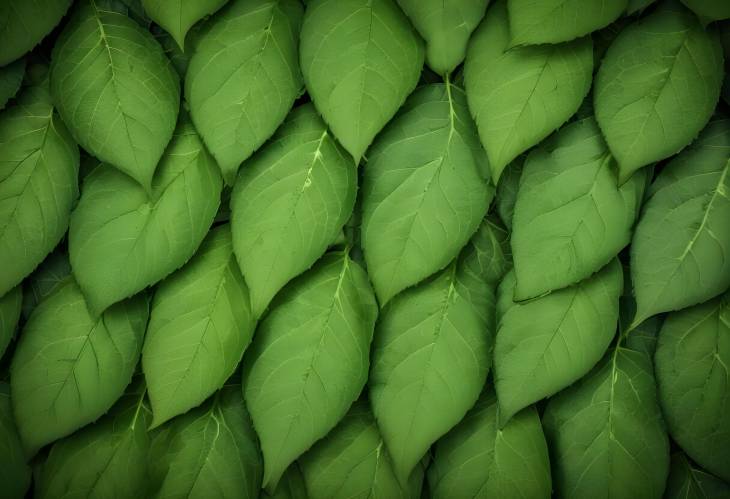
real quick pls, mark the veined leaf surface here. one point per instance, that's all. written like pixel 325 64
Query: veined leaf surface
pixel 289 203
pixel 309 360
pixel 200 325
pixel 243 77
pixel 686 481
pixel 360 60
pixel 115 89
pixel 121 240
pixel 425 190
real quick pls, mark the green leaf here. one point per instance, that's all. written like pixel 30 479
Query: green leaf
pixel 70 367
pixel 709 10
pixel 122 241
pixel 509 184
pixel 291 485
pixel 106 459
pixel 351 461
pixel 10 304
pixel 178 16
pixel 47 278
pixel 518 96
pixel 554 21
pixel 424 190
pixel 25 23
pixel 14 473
pixel 309 360
pixel 39 165
pixel 692 359
pixel 289 203
pixel 244 77
pixel 488 253
pixel 479 460
pixel 689 482
pixel 446 27
pixel 680 254
pixel 606 433
pixel 431 354
pixel 360 60
pixel 115 89
pixel 657 87
pixel 637 6
pixel 548 343
pixel 200 325
pixel 11 76
pixel 212 450
pixel 570 218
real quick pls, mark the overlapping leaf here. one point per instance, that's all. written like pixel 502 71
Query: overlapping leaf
pixel 10 78
pixel 24 24
pixel 178 17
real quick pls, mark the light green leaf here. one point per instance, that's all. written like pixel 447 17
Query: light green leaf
pixel 548 343
pixel 70 367
pixel 689 482
pixel 554 21
pixel 211 451
pixel 446 26
pixel 122 241
pixel 103 460
pixel 10 304
pixel 360 60
pixel 478 460
pixel 25 23
pixel 657 87
pixel 570 218
pixel 606 433
pixel 680 254
pixel 289 203
pixel 431 354
pixel 309 360
pixel 47 278
pixel 244 77
pixel 39 165
pixel 692 359
pixel 709 10
pixel 115 89
pixel 178 16
pixel 14 473
pixel 11 76
pixel 351 461
pixel 518 96
pixel 509 184
pixel 200 325
pixel 424 190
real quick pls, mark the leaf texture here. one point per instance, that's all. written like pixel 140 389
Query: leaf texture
pixel 570 217
pixel 289 203
pixel 309 360
pixel 606 432
pixel 178 16
pixel 10 304
pixel 15 474
pixel 424 190
pixel 115 89
pixel 518 96
pixel 692 359
pixel 680 254
pixel 210 450
pixel 446 27
pixel 657 87
pixel 554 21
pixel 431 354
pixel 243 77
pixel 351 461
pixel 200 325
pixel 70 367
pixel 106 459
pixel 689 482
pixel 544 345
pixel 11 76
pixel 47 278
pixel 23 24
pixel 39 165
pixel 360 60
pixel 478 460
pixel 121 240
